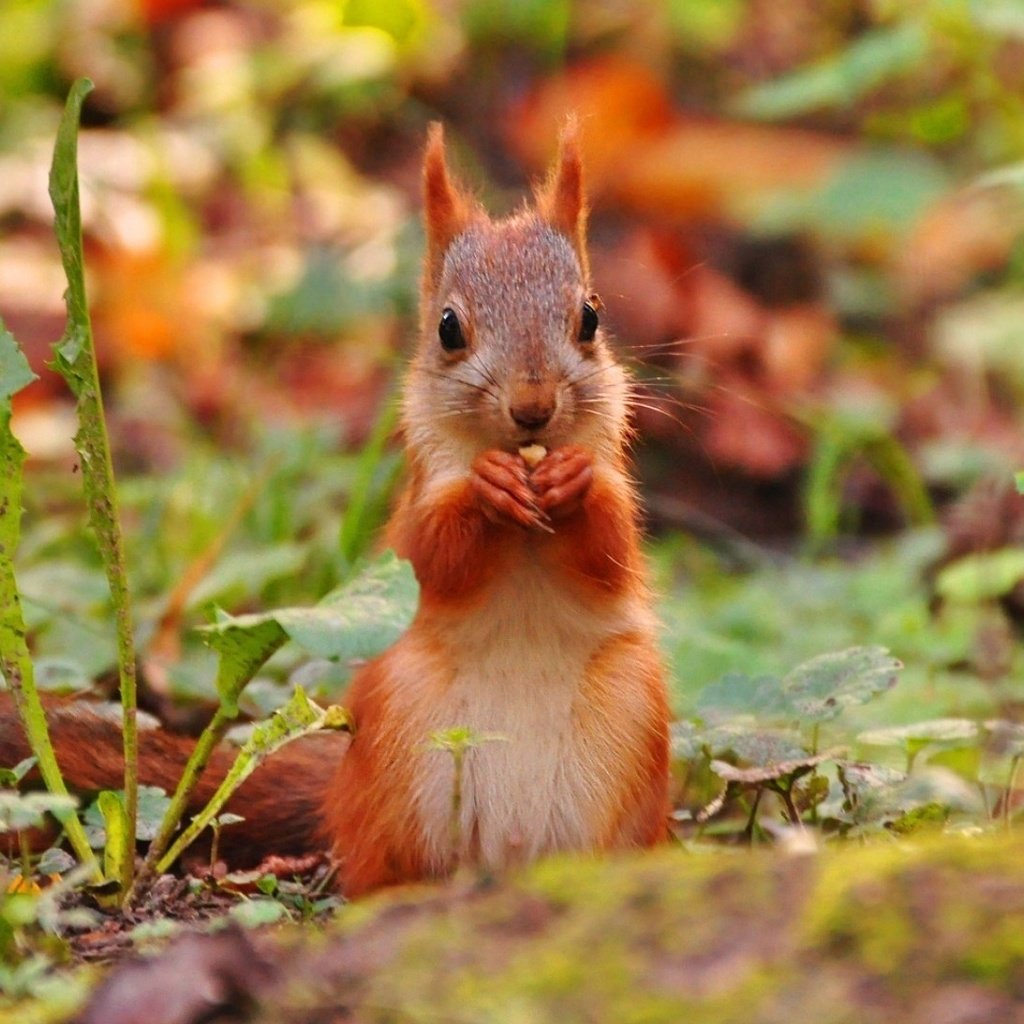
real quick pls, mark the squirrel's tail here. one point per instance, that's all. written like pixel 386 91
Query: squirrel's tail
pixel 281 802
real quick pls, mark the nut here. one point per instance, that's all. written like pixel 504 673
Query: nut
pixel 532 454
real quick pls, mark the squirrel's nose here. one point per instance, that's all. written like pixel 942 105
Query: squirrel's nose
pixel 532 415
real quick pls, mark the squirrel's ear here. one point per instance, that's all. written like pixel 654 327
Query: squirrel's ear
pixel 447 210
pixel 561 200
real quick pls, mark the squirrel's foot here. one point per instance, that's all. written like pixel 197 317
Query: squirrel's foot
pixel 562 480
pixel 499 481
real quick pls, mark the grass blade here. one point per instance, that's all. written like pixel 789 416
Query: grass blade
pixel 369 492
pixel 75 360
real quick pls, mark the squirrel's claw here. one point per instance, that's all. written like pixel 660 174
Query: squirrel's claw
pixel 500 483
pixel 562 480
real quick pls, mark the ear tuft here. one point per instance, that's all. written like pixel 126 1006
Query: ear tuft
pixel 561 200
pixel 447 210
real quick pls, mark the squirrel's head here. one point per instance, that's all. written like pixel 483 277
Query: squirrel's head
pixel 511 350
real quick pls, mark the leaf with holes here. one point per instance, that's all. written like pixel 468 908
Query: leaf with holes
pixel 821 688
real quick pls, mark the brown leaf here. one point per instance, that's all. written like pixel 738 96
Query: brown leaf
pixel 768 772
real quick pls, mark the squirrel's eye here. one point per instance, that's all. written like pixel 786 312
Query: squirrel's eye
pixel 449 330
pixel 588 322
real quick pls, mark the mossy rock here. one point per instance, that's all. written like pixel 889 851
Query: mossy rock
pixel 923 931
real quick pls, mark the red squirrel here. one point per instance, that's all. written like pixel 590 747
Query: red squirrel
pixel 535 626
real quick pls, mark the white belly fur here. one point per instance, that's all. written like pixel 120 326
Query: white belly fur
pixel 518 664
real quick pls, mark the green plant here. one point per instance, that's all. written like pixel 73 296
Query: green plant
pixel 15 662
pixel 840 440
pixel 350 622
pixel 75 359
pixel 762 734
pixel 458 741
pixel 967 98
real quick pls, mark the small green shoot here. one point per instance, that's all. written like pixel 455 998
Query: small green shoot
pixel 221 821
pixel 457 742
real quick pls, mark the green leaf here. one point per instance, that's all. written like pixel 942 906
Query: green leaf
pixel 153 803
pixel 736 695
pixel 15 373
pixel 754 747
pixel 358 620
pixel 116 826
pixel 542 24
pixel 247 572
pixel 12 776
pixel 938 786
pixel 942 731
pixel 815 691
pixel 821 688
pixel 863 779
pixel 258 913
pixel 1019 480
pixel 355 621
pixel 982 576
pixel 243 647
pixel 879 191
pixel 61 676
pixel 840 80
pixel 881 796
pixel 686 741
pixel 68 223
pixel 28 810
pixel 709 25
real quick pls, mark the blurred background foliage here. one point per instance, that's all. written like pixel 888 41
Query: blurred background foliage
pixel 806 231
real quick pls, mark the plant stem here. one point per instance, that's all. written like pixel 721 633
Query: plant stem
pixel 458 760
pixel 1011 785
pixel 786 792
pixel 75 360
pixel 199 758
pixel 752 818
pixel 15 662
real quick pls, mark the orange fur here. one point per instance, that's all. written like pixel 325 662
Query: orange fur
pixel 534 628
pixel 447 541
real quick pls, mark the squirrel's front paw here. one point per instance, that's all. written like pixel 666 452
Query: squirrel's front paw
pixel 562 480
pixel 499 481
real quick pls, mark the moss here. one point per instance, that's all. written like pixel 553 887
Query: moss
pixel 940 909
pixel 667 936
pixel 874 934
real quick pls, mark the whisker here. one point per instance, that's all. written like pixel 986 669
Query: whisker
pixel 476 360
pixel 576 381
pixel 663 412
pixel 460 380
